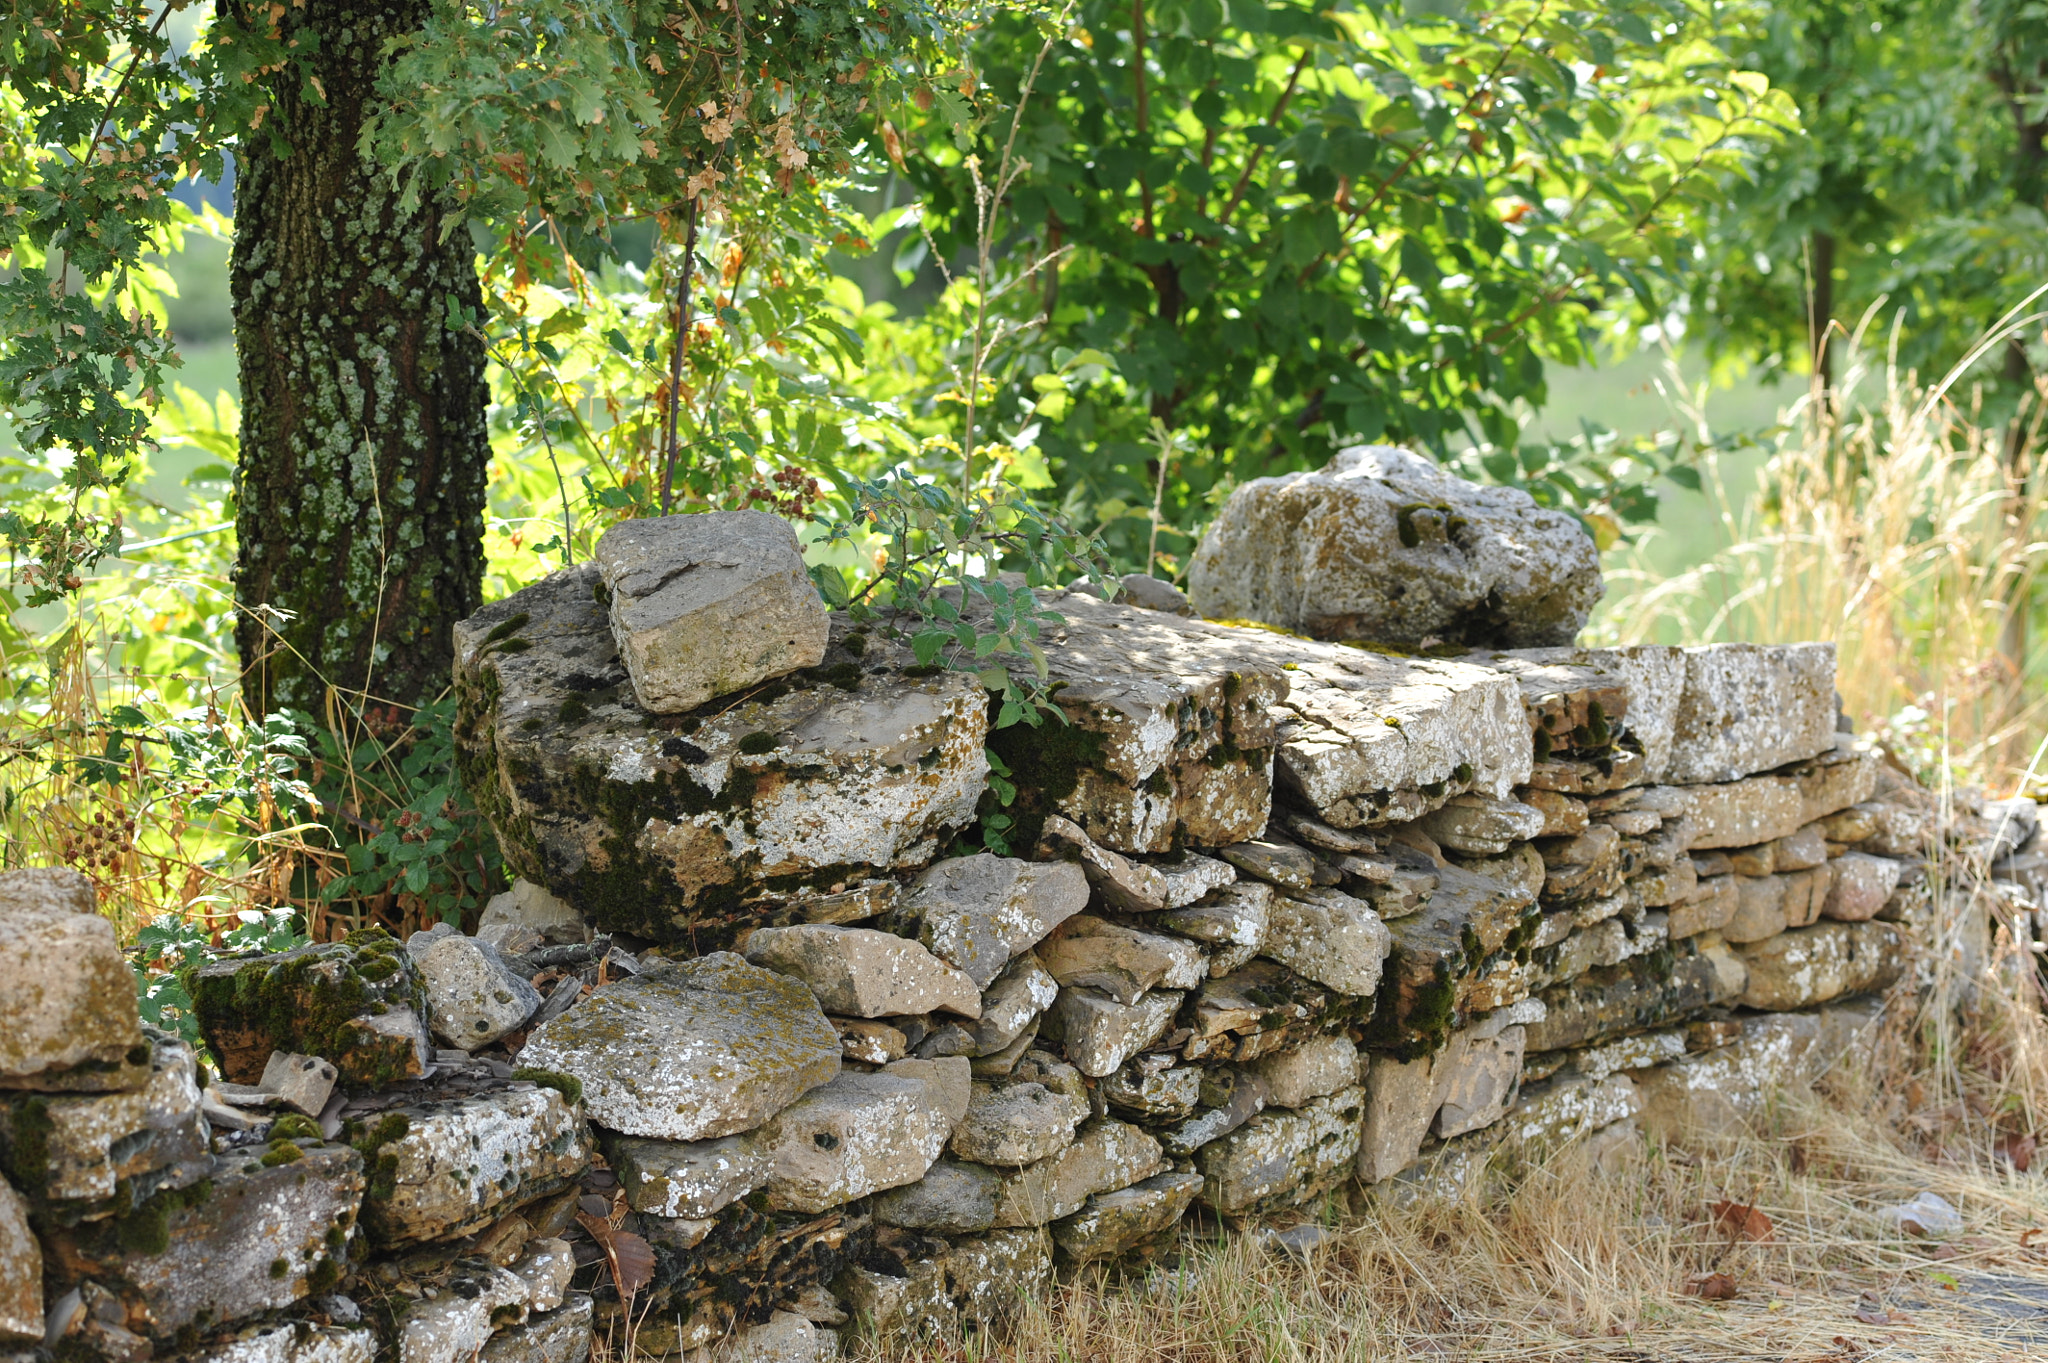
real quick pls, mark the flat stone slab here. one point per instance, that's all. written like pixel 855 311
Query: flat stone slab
pixel 691 1051
pixel 691 827
pixel 1319 1066
pixel 1106 1155
pixel 690 1179
pixel 1329 937
pixel 85 1148
pixel 708 604
pixel 1014 1125
pixel 1640 994
pixel 863 972
pixel 953 1198
pixel 293 1343
pixel 1747 708
pixel 977 913
pixel 1384 545
pixel 1442 957
pixel 1121 961
pixel 562 1335
pixel 462 1164
pixel 1281 1156
pixel 65 989
pixel 1100 1033
pixel 1115 1224
pixel 856 1135
pixel 21 1274
pixel 1585 703
pixel 1806 966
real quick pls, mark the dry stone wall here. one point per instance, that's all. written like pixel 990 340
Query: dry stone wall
pixel 759 1045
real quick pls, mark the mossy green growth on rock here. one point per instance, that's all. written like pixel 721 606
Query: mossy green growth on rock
pixel 568 1085
pixel 309 1002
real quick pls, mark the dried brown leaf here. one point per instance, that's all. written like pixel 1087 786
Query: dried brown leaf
pixel 1742 1221
pixel 1714 1287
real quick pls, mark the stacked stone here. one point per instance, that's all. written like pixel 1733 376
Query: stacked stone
pixel 763 1041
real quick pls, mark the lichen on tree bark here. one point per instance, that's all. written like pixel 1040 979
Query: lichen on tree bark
pixel 364 451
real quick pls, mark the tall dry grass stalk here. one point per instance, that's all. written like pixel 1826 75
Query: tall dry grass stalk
pixel 1892 519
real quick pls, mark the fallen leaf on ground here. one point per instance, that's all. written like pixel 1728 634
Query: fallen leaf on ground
pixel 2018 1151
pixel 1743 1221
pixel 1871 1310
pixel 631 1258
pixel 2027 1236
pixel 1714 1287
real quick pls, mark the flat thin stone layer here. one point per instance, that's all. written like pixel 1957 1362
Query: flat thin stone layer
pixel 1751 707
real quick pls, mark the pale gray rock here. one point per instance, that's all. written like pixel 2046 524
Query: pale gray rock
pixel 1329 937
pixel 303 1083
pixel 1480 825
pixel 1861 885
pixel 1586 698
pixel 527 905
pixel 559 1336
pixel 991 1274
pixel 807 781
pixel 951 1079
pixel 1277 863
pixel 1801 851
pixel 1100 1034
pixel 856 1135
pixel 1012 1005
pixel 1114 1224
pixel 86 1147
pixel 1625 1054
pixel 1744 813
pixel 1401 1099
pixel 1711 906
pixel 863 972
pixel 1282 1156
pixel 692 1051
pixel 1015 1125
pixel 1153 594
pixel 1925 1214
pixel 951 1199
pixel 1225 1109
pixel 1748 708
pixel 21 1274
pixel 1120 961
pixel 1639 994
pixel 1478 1081
pixel 1319 1066
pixel 1232 920
pixel 976 913
pixel 1382 544
pixel 454 1326
pixel 545 1267
pixel 1043 1067
pixel 473 997
pixel 785 1337
pixel 248 1247
pixel 708 604
pixel 65 989
pixel 463 1163
pixel 1805 966
pixel 1106 1155
pixel 1759 909
pixel 692 1180
pixel 1126 885
pixel 296 1342
pixel 1154 1090
pixel 1194 876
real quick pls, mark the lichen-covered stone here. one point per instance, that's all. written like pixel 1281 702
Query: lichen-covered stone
pixel 86 1148
pixel 689 1179
pixel 1584 703
pixel 865 973
pixel 1014 1125
pixel 1800 968
pixel 1329 937
pixel 1748 708
pixel 359 1004
pixel 461 1164
pixel 1281 1156
pixel 1759 909
pixel 1100 1033
pixel 473 996
pixel 270 1225
pixel 1233 920
pixel 1106 1155
pixel 1114 1224
pixel 21 1274
pixel 527 905
pixel 1645 992
pixel 708 604
pixel 976 913
pixel 1480 825
pixel 1713 902
pixel 856 1135
pixel 785 1337
pixel 1194 876
pixel 1123 884
pixel 1861 885
pixel 688 1052
pixel 562 1335
pixel 1477 1081
pixel 1381 544
pixel 1321 1065
pixel 1441 958
pixel 1122 962
pixel 953 1198
pixel 455 1325
pixel 1153 1086
pixel 65 989
pixel 692 828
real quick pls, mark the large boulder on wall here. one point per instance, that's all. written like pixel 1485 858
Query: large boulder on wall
pixel 1382 545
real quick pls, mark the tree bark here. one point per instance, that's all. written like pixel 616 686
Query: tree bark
pixel 364 453
pixel 1823 306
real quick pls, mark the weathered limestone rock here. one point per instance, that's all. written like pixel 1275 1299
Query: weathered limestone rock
pixel 1100 1033
pixel 689 1179
pixel 1479 825
pixel 1153 1086
pixel 1712 1094
pixel 1121 962
pixel 1330 938
pixel 1552 1114
pixel 473 997
pixel 785 1337
pixel 976 913
pixel 1711 907
pixel 1230 1098
pixel 527 905
pixel 1319 1066
pixel 693 1051
pixel 1106 1155
pixel 691 829
pixel 1861 885
pixel 1150 593
pixel 863 972
pixel 1383 545
pixel 1275 862
pixel 1193 877
pixel 293 1343
pixel 1477 1081
pixel 1114 1224
pixel 1743 813
pixel 86 1147
pixel 856 1135
pixel 1800 968
pixel 1401 1099
pixel 1168 740
pixel 708 604
pixel 450 1168
pixel 1582 702
pixel 951 1199
pixel 1450 958
pixel 870 1042
pixel 1280 1156
pixel 1015 1125
pixel 21 1274
pixel 249 1239
pixel 990 1274
pixel 1564 816
pixel 456 1324
pixel 562 1335
pixel 358 1004
pixel 65 989
pixel 1759 909
pixel 1748 708
pixel 303 1082
pixel 1126 885
pixel 951 1079
pixel 1639 994
pixel 1639 1052
pixel 1233 920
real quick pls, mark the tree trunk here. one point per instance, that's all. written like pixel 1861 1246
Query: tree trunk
pixel 1823 306
pixel 364 452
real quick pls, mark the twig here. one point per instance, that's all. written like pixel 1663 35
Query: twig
pixel 675 358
